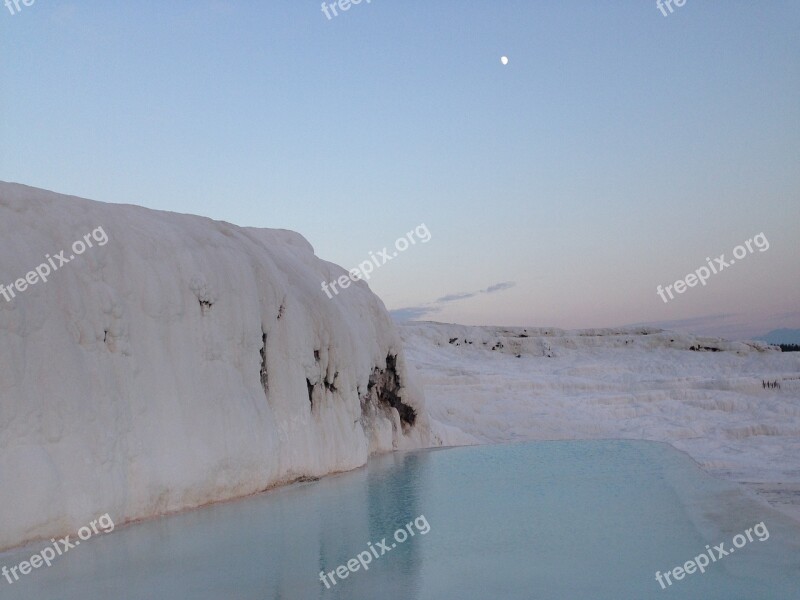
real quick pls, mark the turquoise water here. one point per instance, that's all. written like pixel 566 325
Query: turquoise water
pixel 547 520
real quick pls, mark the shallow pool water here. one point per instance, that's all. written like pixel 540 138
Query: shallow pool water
pixel 560 520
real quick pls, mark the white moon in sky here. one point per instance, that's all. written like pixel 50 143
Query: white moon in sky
pixel 504 60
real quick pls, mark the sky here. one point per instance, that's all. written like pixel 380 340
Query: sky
pixel 618 150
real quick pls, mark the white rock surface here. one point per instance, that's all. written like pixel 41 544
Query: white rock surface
pixel 703 395
pixel 131 381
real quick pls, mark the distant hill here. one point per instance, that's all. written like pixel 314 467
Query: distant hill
pixel 782 336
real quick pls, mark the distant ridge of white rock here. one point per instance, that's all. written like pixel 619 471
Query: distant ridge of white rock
pixel 545 341
pixel 184 362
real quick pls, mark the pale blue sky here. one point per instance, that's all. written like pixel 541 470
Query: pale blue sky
pixel 615 151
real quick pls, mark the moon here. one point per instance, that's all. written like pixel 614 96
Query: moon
pixel 504 60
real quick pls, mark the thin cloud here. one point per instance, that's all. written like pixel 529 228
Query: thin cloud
pixel 412 313
pixel 499 287
pixel 454 297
